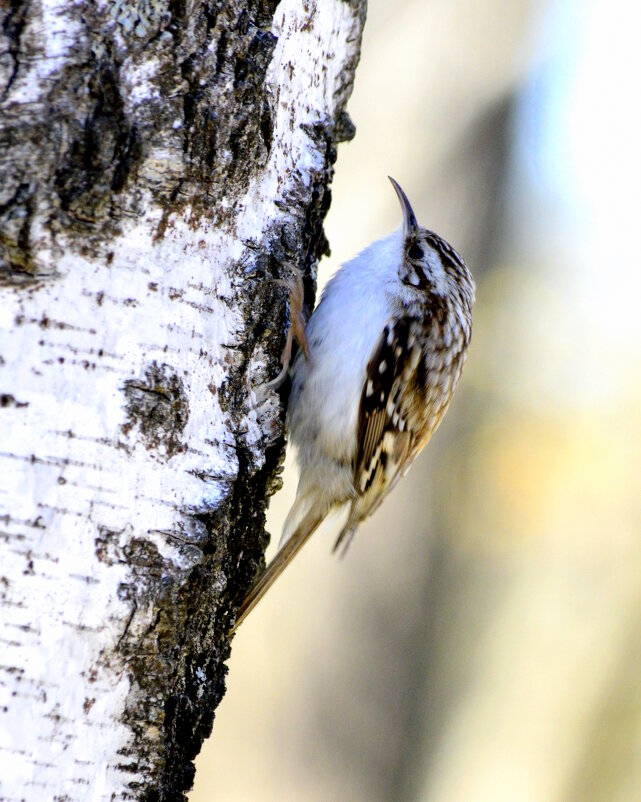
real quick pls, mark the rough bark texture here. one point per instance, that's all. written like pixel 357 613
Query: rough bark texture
pixel 160 164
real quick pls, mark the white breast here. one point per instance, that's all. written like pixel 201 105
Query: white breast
pixel 342 334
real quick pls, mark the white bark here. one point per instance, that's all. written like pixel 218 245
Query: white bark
pixel 121 432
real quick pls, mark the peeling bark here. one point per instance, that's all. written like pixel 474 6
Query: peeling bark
pixel 162 163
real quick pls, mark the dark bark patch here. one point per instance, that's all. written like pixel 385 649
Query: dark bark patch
pixel 227 128
pixel 16 261
pixel 107 543
pixel 13 22
pixel 157 407
pixel 8 400
pixel 344 129
pixel 103 151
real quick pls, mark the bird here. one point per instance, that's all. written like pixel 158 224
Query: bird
pixel 378 362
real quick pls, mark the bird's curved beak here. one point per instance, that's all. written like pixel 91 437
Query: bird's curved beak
pixel 409 218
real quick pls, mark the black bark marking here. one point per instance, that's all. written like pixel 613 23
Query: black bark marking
pixel 158 408
pixel 16 263
pixel 103 151
pixel 13 24
pixel 8 400
pixel 344 130
pixel 227 129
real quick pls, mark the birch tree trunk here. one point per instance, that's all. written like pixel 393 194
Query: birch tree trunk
pixel 160 164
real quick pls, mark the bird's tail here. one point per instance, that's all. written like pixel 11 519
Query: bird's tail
pixel 293 544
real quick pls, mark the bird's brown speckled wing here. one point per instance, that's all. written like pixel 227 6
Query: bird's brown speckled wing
pixel 385 442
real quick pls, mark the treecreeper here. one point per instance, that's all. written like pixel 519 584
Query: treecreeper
pixel 379 360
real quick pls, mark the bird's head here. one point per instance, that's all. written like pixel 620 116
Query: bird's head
pixel 428 263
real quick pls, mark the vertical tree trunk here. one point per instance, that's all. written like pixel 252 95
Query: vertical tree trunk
pixel 160 164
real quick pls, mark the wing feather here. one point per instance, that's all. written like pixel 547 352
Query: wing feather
pixel 385 443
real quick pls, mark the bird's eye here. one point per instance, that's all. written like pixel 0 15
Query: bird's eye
pixel 415 251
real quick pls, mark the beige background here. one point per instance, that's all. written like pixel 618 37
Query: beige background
pixel 481 642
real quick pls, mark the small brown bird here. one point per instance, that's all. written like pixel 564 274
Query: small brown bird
pixel 381 356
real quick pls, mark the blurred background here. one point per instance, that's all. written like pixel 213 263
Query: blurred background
pixel 481 641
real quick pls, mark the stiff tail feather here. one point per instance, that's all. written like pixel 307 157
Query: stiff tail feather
pixel 276 567
pixel 358 512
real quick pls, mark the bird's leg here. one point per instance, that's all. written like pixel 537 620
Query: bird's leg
pixel 296 327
